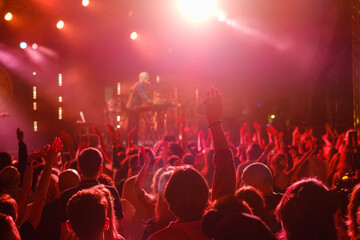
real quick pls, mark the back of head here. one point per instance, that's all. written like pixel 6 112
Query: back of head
pixel 86 211
pixel 5 160
pixel 253 152
pixel 173 160
pixel 156 178
pixel 176 149
pixel 259 176
pixel 90 159
pixel 279 162
pixel 9 177
pixel 68 178
pixel 188 158
pixel 8 230
pixel 187 193
pixel 307 210
pixel 254 199
pixel 230 219
pixel 8 206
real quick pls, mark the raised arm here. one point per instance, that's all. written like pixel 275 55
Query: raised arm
pixel 27 182
pixel 298 165
pixel 224 177
pixel 141 176
pixel 65 136
pixel 40 193
pixel 22 152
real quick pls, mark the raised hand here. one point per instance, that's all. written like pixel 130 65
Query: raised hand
pixel 213 106
pixel 54 150
pixel 257 127
pixel 20 135
pixel 145 155
pixel 41 153
pixel 65 136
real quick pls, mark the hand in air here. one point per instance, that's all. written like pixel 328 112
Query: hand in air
pixel 213 105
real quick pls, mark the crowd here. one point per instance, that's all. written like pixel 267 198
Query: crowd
pixel 261 188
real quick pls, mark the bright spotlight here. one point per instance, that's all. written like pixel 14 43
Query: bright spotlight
pixel 23 45
pixel 60 24
pixel 34 46
pixel 221 17
pixel 85 3
pixel 8 16
pixel 272 116
pixel 133 35
pixel 197 9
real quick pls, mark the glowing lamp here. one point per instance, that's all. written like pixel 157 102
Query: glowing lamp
pixel 8 16
pixel 34 46
pixel 23 45
pixel 272 116
pixel 35 126
pixel 197 9
pixel 60 24
pixel 133 35
pixel 85 3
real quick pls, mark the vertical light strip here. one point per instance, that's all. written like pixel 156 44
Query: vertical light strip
pixel 60 113
pixel 35 126
pixel 60 82
pixel 118 88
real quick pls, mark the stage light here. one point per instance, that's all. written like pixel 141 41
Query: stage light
pixel 23 45
pixel 272 116
pixel 117 126
pixel 34 73
pixel 34 46
pixel 60 24
pixel 118 118
pixel 268 124
pixel 35 126
pixel 60 113
pixel 34 106
pixel 8 16
pixel 197 9
pixel 133 35
pixel 222 17
pixel 34 93
pixel 60 99
pixel 85 3
pixel 60 80
pixel 259 105
pixel 118 88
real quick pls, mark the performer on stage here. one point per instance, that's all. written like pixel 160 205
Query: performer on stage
pixel 137 98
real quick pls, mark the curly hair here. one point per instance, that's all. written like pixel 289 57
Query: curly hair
pixel 353 207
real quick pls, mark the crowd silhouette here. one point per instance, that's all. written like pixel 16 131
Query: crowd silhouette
pixel 261 188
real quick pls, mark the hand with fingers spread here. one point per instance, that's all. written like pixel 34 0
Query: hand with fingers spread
pixel 213 106
pixel 224 176
pixel 54 150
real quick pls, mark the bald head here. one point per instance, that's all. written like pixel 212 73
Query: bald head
pixel 68 179
pixel 259 176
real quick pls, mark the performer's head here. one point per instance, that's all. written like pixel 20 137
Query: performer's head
pixel 144 77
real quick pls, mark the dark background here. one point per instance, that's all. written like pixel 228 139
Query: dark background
pixel 291 57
